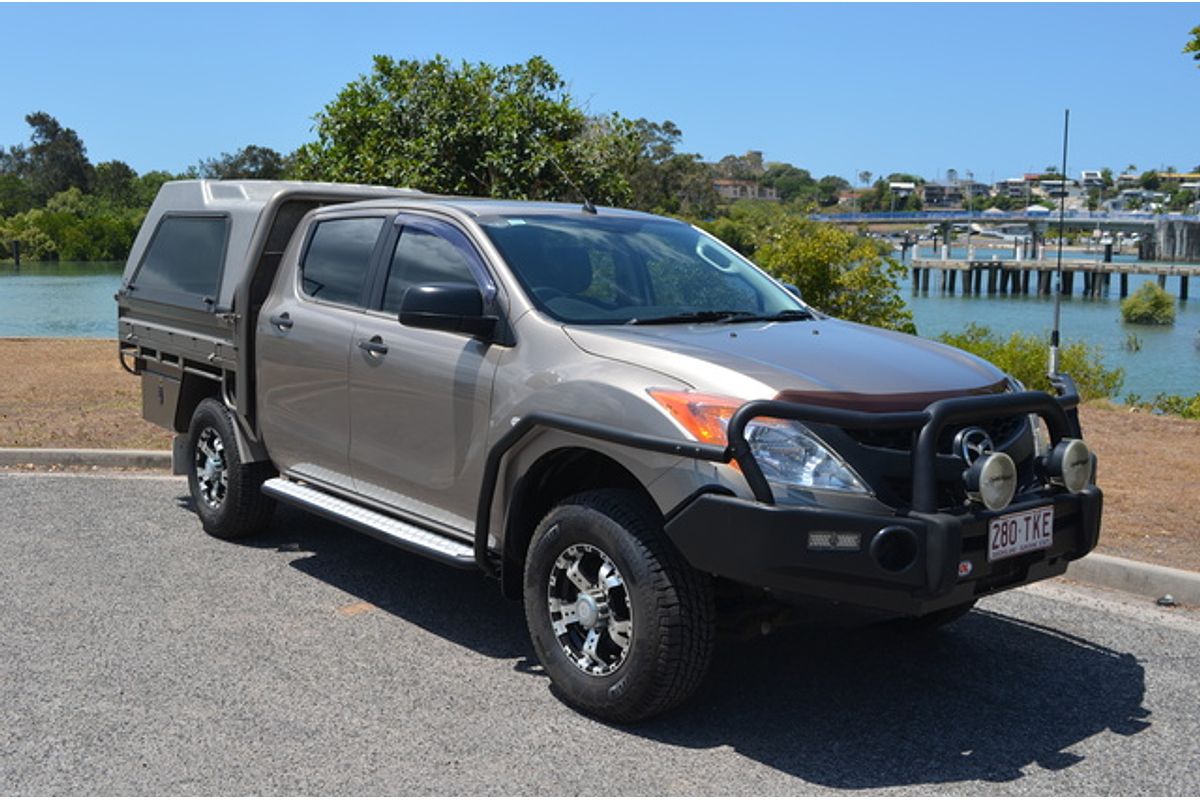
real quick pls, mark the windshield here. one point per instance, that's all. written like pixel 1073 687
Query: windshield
pixel 586 269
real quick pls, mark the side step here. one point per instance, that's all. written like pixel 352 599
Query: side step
pixel 387 529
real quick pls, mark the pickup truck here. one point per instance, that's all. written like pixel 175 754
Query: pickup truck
pixel 638 432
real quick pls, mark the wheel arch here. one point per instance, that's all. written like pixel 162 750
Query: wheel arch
pixel 555 476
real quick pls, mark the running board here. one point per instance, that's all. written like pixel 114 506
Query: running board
pixel 387 529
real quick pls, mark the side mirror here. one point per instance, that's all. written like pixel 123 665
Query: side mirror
pixel 794 289
pixel 455 307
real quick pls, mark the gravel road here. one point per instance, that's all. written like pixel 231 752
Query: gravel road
pixel 139 656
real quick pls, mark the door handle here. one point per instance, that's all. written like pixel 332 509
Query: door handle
pixel 282 321
pixel 373 346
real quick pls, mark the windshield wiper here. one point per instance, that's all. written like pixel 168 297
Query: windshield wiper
pixel 693 316
pixel 786 315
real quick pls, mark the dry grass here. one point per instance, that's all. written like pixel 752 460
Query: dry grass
pixel 73 393
pixel 1147 465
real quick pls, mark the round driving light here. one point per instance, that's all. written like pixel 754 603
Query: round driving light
pixel 992 480
pixel 1069 465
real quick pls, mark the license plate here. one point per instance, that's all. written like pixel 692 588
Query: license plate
pixel 1022 532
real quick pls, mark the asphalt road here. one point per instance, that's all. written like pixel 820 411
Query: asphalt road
pixel 139 656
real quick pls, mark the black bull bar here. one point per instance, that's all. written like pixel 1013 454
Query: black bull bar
pixel 1059 413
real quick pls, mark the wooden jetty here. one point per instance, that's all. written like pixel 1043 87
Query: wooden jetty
pixel 1012 276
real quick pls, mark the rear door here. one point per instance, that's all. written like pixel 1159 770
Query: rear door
pixel 419 399
pixel 304 336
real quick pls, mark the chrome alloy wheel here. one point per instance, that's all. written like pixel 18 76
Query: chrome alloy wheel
pixel 590 610
pixel 212 477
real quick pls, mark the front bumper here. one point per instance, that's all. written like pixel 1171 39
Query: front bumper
pixel 767 546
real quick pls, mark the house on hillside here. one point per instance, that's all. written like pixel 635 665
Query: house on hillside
pixel 742 189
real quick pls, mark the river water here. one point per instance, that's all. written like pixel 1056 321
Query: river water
pixel 76 300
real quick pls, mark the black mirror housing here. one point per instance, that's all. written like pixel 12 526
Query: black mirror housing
pixel 454 307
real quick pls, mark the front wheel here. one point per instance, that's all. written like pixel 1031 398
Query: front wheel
pixel 622 624
pixel 226 492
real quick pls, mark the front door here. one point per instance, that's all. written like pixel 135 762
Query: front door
pixel 420 399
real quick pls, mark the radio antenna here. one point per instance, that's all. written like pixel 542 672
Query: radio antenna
pixel 1062 206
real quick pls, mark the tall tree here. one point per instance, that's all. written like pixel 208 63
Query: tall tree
pixel 473 129
pixel 251 162
pixel 116 182
pixel 55 160
pixel 864 178
pixel 1193 45
pixel 666 181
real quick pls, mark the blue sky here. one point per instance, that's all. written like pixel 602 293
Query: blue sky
pixel 832 88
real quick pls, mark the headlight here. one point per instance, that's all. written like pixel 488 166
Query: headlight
pixel 789 454
pixel 1041 435
pixel 786 451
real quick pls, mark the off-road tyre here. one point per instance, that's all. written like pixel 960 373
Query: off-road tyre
pixel 670 606
pixel 236 507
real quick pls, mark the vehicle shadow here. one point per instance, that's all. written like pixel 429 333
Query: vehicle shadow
pixel 872 708
pixel 852 709
pixel 458 605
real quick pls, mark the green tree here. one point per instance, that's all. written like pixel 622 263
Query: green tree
pixel 838 271
pixel 668 182
pixel 116 182
pixel 251 162
pixel 55 159
pixel 744 167
pixel 828 189
pixel 472 129
pixel 15 195
pixel 1150 180
pixel 1193 45
pixel 791 182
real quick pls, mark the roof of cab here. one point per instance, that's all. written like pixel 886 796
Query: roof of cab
pixel 485 207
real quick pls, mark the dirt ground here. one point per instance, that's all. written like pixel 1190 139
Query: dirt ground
pixel 73 393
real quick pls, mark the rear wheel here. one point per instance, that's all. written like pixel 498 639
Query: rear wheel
pixel 622 624
pixel 226 492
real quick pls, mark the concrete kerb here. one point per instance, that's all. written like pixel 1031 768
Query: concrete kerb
pixel 66 457
pixel 1137 577
pixel 1123 574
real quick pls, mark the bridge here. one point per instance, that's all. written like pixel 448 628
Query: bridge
pixel 1166 237
pixel 1108 220
pixel 1026 276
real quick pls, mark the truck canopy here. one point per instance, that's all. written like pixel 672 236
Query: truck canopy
pixel 202 239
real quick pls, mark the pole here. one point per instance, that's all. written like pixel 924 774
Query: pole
pixel 1062 211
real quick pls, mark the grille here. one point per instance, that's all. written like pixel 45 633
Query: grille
pixel 884 457
pixel 1002 430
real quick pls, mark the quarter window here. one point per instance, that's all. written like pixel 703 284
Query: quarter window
pixel 425 256
pixel 338 259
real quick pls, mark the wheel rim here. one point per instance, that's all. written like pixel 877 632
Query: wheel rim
pixel 590 610
pixel 212 476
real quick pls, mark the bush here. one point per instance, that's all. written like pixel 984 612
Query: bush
pixel 1149 305
pixel 1179 405
pixel 840 272
pixel 1027 357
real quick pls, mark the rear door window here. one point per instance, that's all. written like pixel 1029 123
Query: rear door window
pixel 338 259
pixel 184 258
